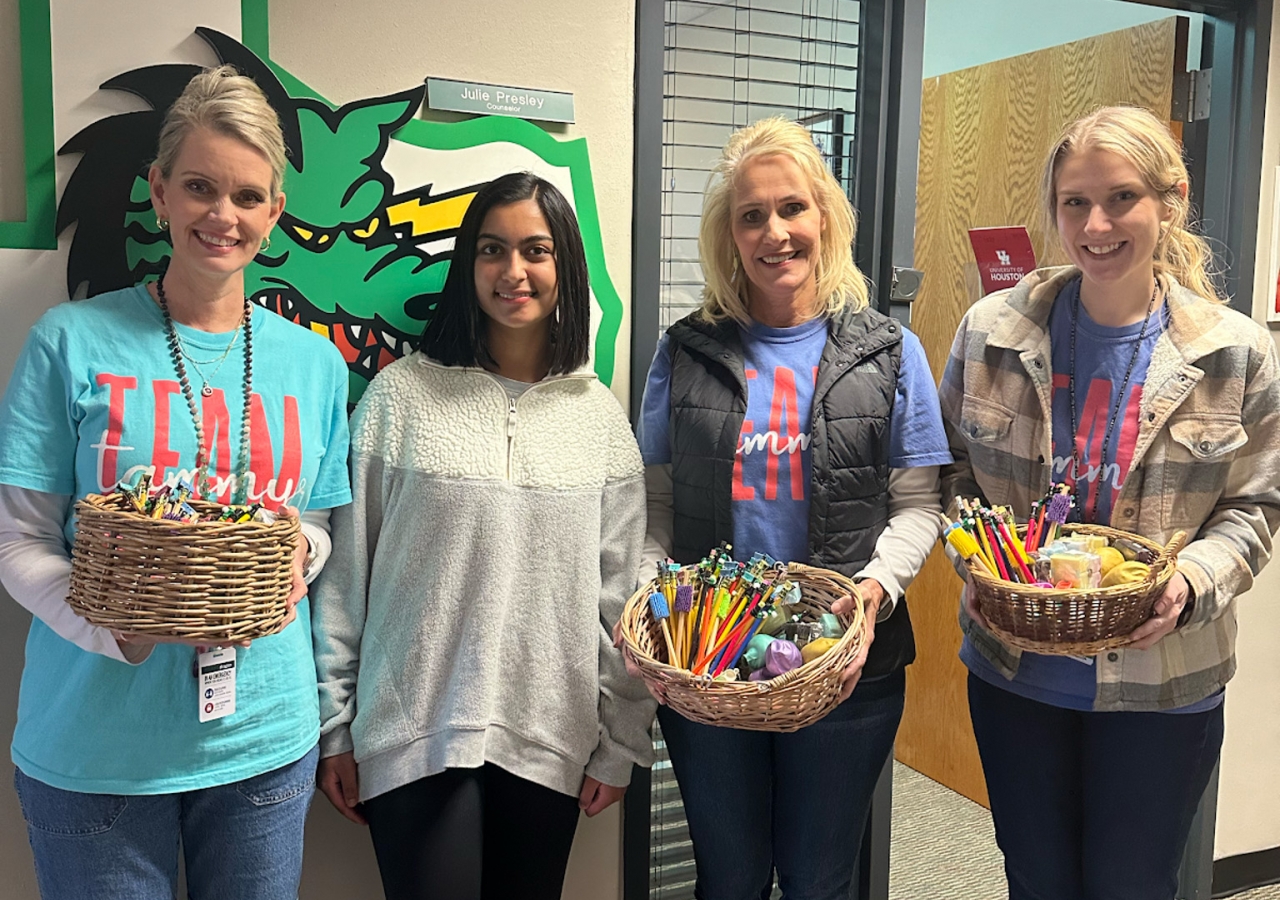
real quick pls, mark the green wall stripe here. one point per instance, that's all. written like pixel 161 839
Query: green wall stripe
pixel 35 231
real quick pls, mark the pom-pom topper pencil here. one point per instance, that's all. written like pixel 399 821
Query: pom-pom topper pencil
pixel 990 535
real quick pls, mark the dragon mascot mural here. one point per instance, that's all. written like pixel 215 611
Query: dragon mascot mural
pixel 353 258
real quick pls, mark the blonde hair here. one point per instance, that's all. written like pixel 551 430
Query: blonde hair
pixel 724 292
pixel 1137 136
pixel 227 103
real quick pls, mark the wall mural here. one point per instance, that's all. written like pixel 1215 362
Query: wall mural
pixel 374 199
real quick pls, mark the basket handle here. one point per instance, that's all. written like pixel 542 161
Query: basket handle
pixel 1169 553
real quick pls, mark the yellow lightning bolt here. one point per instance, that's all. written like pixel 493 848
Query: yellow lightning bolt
pixel 432 216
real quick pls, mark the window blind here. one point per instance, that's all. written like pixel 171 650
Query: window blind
pixel 728 63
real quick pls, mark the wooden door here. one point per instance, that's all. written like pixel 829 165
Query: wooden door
pixel 984 133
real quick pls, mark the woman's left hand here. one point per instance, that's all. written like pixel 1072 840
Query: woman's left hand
pixel 1164 614
pixel 597 796
pixel 871 593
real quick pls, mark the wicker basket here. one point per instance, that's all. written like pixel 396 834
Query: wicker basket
pixel 219 582
pixel 1069 621
pixel 786 703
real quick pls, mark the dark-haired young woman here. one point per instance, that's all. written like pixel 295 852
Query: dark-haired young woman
pixel 471 701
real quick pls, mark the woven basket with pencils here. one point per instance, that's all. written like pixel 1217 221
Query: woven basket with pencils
pixel 220 582
pixel 1074 621
pixel 786 703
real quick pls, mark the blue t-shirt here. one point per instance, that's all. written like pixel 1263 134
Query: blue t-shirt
pixel 94 397
pixel 1103 355
pixel 773 463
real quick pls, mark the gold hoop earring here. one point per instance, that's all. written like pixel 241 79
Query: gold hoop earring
pixel 162 223
pixel 266 244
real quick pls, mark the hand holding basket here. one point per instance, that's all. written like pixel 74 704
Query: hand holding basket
pixel 1074 621
pixel 788 702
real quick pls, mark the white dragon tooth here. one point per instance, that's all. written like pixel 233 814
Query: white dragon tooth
pixel 389 341
pixel 357 331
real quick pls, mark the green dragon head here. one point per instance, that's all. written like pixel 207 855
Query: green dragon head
pixel 346 259
pixel 355 257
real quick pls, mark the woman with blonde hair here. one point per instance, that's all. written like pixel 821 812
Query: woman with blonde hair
pixel 1124 376
pixel 788 417
pixel 178 378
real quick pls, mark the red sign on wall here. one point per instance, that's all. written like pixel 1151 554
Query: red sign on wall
pixel 1004 255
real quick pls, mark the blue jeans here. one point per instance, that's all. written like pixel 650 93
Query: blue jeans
pixel 798 802
pixel 1091 805
pixel 240 841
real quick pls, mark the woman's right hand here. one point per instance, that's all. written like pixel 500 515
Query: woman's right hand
pixel 338 778
pixel 970 601
pixel 633 670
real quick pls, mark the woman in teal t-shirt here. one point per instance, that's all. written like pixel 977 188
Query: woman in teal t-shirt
pixel 114 767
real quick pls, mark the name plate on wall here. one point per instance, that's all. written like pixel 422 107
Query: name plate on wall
pixel 496 100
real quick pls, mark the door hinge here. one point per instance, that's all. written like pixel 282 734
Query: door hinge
pixel 1191 94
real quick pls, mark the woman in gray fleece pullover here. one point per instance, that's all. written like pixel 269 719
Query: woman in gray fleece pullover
pixel 471 700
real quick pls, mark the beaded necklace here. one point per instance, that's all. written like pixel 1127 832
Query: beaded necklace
pixel 205 389
pixel 1078 509
pixel 176 350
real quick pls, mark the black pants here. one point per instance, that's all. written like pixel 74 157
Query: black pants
pixel 472 834
pixel 1091 805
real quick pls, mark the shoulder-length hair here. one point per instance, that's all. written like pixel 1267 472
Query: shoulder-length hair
pixel 1137 136
pixel 724 292
pixel 457 333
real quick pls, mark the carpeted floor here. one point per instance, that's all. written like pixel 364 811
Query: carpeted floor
pixel 943 846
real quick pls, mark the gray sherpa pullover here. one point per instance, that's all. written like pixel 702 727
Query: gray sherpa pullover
pixel 465 615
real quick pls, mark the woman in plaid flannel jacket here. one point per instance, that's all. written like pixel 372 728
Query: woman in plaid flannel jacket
pixel 1095 766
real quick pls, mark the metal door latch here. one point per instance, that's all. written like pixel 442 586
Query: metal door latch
pixel 905 286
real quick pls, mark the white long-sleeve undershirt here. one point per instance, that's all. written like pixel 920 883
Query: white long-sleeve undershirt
pixel 914 503
pixel 35 563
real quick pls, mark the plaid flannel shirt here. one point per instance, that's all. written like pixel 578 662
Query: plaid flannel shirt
pixel 1207 462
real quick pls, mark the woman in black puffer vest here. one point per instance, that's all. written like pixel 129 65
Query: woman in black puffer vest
pixel 788 417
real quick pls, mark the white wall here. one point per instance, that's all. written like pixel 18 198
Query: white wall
pixel 15 857
pixel 1248 814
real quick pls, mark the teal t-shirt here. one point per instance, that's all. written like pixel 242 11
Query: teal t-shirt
pixel 95 397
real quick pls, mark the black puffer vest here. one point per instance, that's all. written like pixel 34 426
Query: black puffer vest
pixel 849 441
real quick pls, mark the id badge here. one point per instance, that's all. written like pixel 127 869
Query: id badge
pixel 217 671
